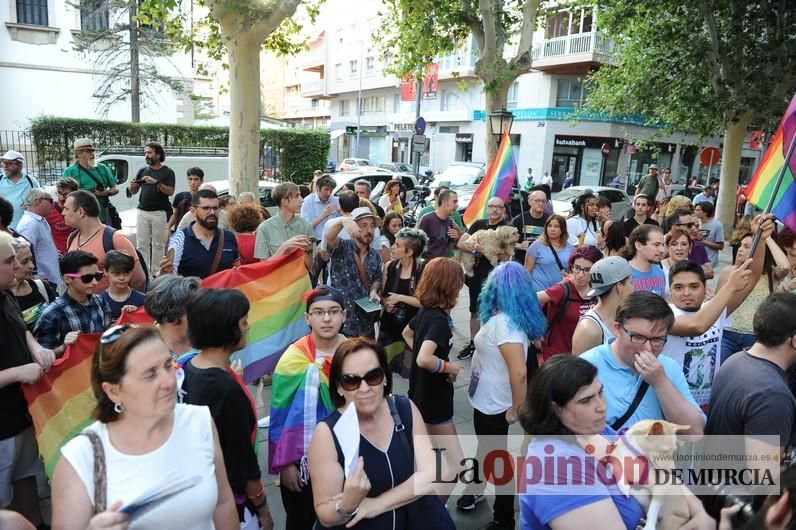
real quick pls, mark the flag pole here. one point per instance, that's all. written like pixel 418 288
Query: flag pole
pixel 777 184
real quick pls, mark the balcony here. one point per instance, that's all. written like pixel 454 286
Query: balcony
pixel 573 54
pixel 314 59
pixel 314 89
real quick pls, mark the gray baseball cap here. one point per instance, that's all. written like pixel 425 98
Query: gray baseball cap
pixel 606 273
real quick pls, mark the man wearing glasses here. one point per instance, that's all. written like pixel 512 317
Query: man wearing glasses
pixel 530 223
pixel 202 249
pixel 34 227
pixel 92 176
pixel 638 382
pixel 15 183
pixel 79 309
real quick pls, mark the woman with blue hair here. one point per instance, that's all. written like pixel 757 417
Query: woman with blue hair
pixel 510 319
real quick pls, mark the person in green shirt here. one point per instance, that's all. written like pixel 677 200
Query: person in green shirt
pixel 91 176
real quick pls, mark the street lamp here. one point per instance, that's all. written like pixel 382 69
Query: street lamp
pixel 499 121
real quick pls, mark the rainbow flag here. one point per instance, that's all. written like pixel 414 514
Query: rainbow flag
pixel 761 187
pixel 274 288
pixel 61 402
pixel 498 181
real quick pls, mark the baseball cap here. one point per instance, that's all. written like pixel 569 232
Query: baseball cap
pixel 653 166
pixel 83 143
pixel 606 273
pixel 361 213
pixel 13 155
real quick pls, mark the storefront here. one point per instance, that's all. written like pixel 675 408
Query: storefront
pixel 639 160
pixel 464 147
pixel 593 161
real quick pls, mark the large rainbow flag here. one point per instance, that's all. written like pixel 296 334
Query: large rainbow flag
pixel 61 402
pixel 761 187
pixel 498 181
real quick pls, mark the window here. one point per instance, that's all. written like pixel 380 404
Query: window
pixel 33 12
pixel 370 65
pixel 448 129
pixel 373 104
pixel 571 93
pixel 396 103
pixel 353 67
pixel 338 71
pixel 514 92
pixel 93 15
pixel 345 106
pixel 314 104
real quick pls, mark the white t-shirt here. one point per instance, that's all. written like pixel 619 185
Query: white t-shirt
pixel 490 386
pixel 578 225
pixel 699 356
pixel 189 451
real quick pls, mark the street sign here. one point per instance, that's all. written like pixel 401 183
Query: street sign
pixel 418 143
pixel 710 156
pixel 420 126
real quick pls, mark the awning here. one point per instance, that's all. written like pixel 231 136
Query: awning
pixel 334 135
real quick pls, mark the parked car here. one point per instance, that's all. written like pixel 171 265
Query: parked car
pixel 222 188
pixel 620 201
pixel 351 164
pixel 374 176
pixel 460 174
pixel 397 167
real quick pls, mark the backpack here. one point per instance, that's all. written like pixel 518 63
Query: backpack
pixel 560 310
pixel 107 246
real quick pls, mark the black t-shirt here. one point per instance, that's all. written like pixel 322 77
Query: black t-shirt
pixel 14 417
pixel 135 298
pixel 181 196
pixel 529 228
pixel 152 200
pixel 631 223
pixel 482 267
pixel 233 416
pixel 432 393
pixel 33 303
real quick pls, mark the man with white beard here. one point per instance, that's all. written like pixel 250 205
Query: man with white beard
pixel 91 176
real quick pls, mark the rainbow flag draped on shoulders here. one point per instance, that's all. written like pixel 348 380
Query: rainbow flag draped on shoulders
pixel 300 398
pixel 760 189
pixel 497 182
pixel 61 402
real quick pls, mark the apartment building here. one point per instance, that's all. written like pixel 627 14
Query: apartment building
pixel 42 73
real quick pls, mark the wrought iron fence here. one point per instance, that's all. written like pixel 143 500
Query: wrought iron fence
pixel 22 141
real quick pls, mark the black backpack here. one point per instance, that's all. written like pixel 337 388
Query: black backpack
pixel 107 246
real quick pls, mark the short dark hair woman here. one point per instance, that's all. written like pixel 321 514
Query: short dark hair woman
pixel 165 301
pixel 217 325
pixel 376 494
pixel 147 438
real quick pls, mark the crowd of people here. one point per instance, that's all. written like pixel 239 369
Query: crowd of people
pixel 584 326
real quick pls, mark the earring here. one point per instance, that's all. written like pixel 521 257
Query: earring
pixel 117 408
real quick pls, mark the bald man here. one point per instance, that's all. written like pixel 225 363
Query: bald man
pixel 530 223
pixel 496 216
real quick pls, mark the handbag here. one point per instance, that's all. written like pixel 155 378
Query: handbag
pixel 428 511
pixel 112 218
pixel 100 473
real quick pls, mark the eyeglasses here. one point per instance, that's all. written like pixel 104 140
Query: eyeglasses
pixel 498 206
pixel 50 199
pixel 351 382
pixel 113 333
pixel 208 209
pixel 576 269
pixel 86 278
pixel 655 342
pixel 336 312
pixel 687 225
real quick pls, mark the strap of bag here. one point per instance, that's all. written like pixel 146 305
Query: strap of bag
pixel 100 473
pixel 558 260
pixel 219 249
pixel 42 290
pixel 361 268
pixel 399 428
pixel 560 309
pixel 91 176
pixel 642 389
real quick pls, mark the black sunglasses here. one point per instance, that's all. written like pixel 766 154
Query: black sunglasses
pixel 86 278
pixel 351 382
pixel 111 335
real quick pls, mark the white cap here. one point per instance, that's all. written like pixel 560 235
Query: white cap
pixel 13 155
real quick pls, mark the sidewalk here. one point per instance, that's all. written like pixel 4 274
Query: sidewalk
pixel 463 418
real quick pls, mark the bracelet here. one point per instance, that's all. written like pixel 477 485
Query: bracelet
pixel 259 493
pixel 339 509
pixel 444 368
pixel 438 368
pixel 258 506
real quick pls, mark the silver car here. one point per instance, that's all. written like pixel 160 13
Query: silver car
pixel 620 201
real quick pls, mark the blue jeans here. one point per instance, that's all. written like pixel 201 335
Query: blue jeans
pixel 732 341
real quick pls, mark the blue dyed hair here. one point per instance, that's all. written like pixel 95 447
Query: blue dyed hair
pixel 508 289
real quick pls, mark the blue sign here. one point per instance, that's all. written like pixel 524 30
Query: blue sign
pixel 566 113
pixel 420 126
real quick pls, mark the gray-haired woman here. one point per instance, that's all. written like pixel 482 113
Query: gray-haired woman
pixel 165 302
pixel 399 280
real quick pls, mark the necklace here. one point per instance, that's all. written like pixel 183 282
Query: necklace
pixel 84 243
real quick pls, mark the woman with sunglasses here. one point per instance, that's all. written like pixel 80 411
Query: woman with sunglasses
pixel 376 492
pixel 79 305
pixel 217 325
pixel 145 440
pixel 566 301
pixel 32 295
pixel 390 199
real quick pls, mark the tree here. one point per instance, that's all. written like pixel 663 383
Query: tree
pixel 705 66
pixel 417 31
pixel 236 30
pixel 125 52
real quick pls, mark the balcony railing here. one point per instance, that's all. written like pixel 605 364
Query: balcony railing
pixel 580 43
pixel 313 88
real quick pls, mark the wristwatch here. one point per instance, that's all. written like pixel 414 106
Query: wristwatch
pixel 339 509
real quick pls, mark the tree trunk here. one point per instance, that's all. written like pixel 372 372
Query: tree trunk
pixel 135 73
pixel 495 100
pixel 244 119
pixel 734 135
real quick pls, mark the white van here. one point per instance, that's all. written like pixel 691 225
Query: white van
pixel 124 163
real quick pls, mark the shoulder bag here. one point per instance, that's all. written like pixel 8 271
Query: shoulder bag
pixel 100 473
pixel 620 422
pixel 113 219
